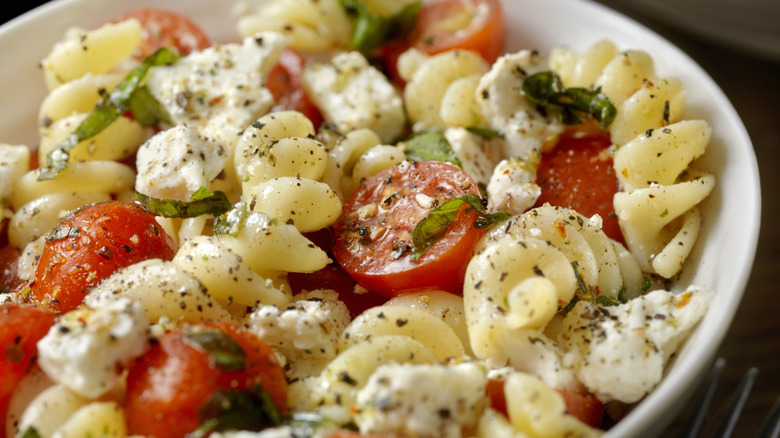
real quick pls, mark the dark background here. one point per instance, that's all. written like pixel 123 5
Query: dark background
pixel 752 83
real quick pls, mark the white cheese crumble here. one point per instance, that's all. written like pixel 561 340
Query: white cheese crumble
pixel 442 401
pixel 512 187
pixel 84 349
pixel 506 109
pixel 174 163
pixel 619 352
pixel 352 94
pixel 306 332
pixel 219 88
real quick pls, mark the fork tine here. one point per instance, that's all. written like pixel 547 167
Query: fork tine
pixel 702 401
pixel 771 426
pixel 736 404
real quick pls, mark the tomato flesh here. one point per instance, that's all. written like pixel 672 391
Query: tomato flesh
pixel 285 83
pixel 21 327
pixel 9 261
pixel 373 234
pixel 164 28
pixel 578 174
pixel 168 385
pixel 91 244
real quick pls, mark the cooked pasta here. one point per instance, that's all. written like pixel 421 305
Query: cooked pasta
pixel 547 296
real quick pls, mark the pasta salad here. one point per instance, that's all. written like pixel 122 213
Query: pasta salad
pixel 359 218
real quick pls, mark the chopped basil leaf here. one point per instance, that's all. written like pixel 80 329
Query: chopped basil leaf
pixel 431 146
pixel 110 107
pixel 4 291
pixel 433 227
pixel 238 410
pixel 647 283
pixel 31 432
pixel 578 276
pixel 485 132
pixel 571 104
pixel 203 202
pixel 372 30
pixel 146 109
pixel 606 300
pixel 223 349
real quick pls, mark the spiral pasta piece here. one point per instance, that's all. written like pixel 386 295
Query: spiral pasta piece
pixel 656 210
pixel 310 24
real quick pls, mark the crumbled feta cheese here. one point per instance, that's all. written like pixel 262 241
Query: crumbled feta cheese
pixel 505 107
pixel 477 154
pixel 512 187
pixel 174 163
pixel 439 401
pixel 619 352
pixel 352 94
pixel 83 349
pixel 306 332
pixel 220 87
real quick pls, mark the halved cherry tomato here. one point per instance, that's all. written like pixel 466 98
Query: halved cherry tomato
pixel 164 28
pixel 9 260
pixel 476 25
pixel 373 234
pixel 444 25
pixel 91 244
pixel 584 407
pixel 578 174
pixel 21 327
pixel 286 85
pixel 170 387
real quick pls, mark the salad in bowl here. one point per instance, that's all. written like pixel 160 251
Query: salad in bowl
pixel 344 218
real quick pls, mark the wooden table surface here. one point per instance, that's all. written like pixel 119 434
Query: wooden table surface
pixel 753 86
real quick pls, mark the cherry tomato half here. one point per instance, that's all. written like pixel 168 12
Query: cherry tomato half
pixel 476 25
pixel 9 260
pixel 21 327
pixel 92 243
pixel 578 174
pixel 164 28
pixel 373 234
pixel 286 85
pixel 170 386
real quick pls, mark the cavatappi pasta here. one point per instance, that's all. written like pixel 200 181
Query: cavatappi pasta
pixel 537 285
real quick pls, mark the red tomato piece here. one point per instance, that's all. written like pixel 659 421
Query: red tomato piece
pixel 21 327
pixel 578 174
pixel 91 244
pixel 164 28
pixel 585 407
pixel 286 85
pixel 373 234
pixel 476 25
pixel 9 260
pixel 170 384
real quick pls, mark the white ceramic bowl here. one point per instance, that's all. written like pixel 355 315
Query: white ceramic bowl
pixel 722 258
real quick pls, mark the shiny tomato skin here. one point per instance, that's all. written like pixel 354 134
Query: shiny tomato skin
pixel 373 233
pixel 92 243
pixel 485 35
pixel 9 261
pixel 170 383
pixel 578 174
pixel 21 327
pixel 585 407
pixel 285 83
pixel 164 28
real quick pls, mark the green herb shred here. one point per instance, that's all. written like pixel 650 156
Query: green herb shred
pixel 571 104
pixel 204 201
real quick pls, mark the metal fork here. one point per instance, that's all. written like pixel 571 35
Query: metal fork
pixel 726 424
